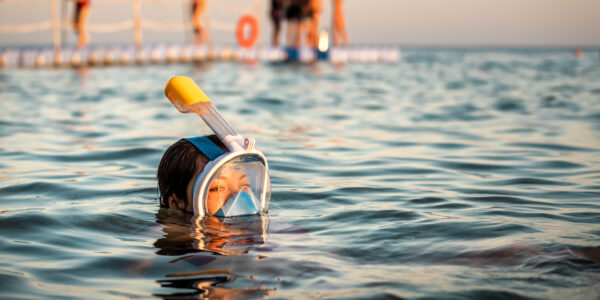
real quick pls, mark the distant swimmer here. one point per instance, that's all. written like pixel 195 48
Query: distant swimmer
pixel 578 52
pixel 340 36
pixel 82 13
pixel 198 9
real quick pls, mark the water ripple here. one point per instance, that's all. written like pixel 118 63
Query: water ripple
pixel 548 146
pixel 454 173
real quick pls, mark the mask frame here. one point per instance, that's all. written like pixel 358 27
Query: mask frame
pixel 201 183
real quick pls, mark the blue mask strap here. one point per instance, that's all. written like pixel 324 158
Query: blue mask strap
pixel 206 146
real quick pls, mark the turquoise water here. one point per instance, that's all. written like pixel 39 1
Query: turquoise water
pixel 451 174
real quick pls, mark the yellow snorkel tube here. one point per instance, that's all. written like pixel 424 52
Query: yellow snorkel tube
pixel 183 93
pixel 188 97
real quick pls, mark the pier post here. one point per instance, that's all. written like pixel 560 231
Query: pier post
pixel 137 24
pixel 55 32
pixel 257 13
pixel 64 27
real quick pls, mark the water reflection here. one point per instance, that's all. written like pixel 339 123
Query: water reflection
pixel 225 236
pixel 206 245
pixel 207 288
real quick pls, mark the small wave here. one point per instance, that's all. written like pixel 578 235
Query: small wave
pixel 493 65
pixel 266 102
pixel 372 216
pixel 453 146
pixel 451 206
pixel 550 146
pixel 467 166
pixel 558 164
pixel 506 200
pixel 427 200
pixel 530 181
pixel 571 89
pixel 29 223
pixel 66 191
pixel 510 104
pixel 552 101
pixel 99 155
pixel 455 85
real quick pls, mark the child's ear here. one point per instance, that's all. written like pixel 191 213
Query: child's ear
pixel 175 202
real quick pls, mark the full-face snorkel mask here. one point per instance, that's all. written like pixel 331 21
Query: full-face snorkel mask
pixel 234 183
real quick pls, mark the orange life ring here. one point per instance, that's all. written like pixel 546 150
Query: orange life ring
pixel 243 40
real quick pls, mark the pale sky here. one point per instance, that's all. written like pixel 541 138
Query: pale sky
pixel 572 23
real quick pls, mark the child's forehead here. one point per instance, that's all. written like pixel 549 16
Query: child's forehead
pixel 230 175
pixel 231 172
pixel 231 167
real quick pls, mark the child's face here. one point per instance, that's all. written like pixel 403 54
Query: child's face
pixel 223 187
pixel 227 183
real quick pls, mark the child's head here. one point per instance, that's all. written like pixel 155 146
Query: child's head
pixel 200 174
pixel 177 172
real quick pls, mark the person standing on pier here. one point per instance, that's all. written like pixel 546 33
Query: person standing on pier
pixel 314 22
pixel 198 9
pixel 295 15
pixel 340 36
pixel 276 14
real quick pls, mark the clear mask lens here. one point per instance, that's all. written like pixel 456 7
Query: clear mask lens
pixel 239 187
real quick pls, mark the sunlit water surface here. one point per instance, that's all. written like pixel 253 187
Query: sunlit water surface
pixel 453 173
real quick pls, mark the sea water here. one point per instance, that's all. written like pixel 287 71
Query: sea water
pixel 450 174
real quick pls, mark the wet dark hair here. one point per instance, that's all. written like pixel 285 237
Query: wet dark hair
pixel 177 166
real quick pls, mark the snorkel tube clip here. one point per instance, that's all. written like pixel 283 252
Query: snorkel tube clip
pixel 237 143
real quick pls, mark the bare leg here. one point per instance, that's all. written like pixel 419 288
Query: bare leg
pixel 199 37
pixel 344 37
pixel 82 27
pixel 315 29
pixel 276 31
pixel 298 36
pixel 198 28
pixel 335 37
pixel 290 33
